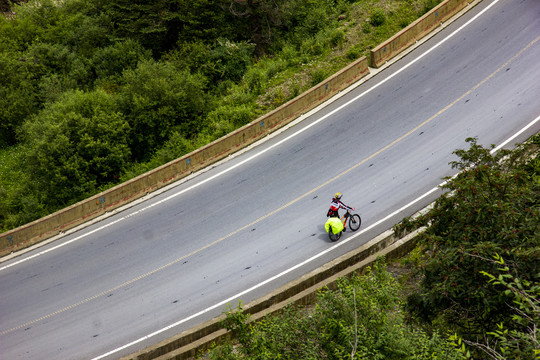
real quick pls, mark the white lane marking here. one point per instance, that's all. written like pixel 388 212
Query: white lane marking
pixel 511 138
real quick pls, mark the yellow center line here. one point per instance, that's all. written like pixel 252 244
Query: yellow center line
pixel 106 292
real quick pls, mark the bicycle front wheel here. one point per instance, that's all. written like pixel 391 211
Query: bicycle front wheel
pixel 354 222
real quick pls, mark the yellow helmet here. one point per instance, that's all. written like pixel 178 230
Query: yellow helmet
pixel 338 195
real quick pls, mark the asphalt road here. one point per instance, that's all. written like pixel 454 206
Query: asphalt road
pixel 255 222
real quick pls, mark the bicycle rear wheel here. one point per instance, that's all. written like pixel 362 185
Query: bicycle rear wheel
pixel 332 236
pixel 354 222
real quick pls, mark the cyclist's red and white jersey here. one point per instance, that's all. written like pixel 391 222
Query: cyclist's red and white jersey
pixel 336 204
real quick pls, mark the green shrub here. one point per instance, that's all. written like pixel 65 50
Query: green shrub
pixel 361 319
pixel 175 147
pixel 294 89
pixel 109 62
pixel 314 46
pixel 226 118
pixel 274 67
pixel 403 23
pixel 318 76
pixel 231 59
pixel 378 17
pixel 255 78
pixel 366 27
pixel 353 53
pixel 490 207
pixel 18 201
pixel 278 96
pixel 428 5
pixel 290 55
pixel 336 37
pixel 238 94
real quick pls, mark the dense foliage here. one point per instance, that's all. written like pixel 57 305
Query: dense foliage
pixel 492 208
pixel 95 92
pixel 362 319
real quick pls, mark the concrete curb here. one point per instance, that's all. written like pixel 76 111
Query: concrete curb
pixel 415 31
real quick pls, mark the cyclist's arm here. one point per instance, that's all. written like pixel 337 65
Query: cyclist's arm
pixel 343 206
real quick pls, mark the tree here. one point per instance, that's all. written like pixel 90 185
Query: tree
pixel 521 341
pixel 157 100
pixel 19 204
pixel 269 21
pixel 108 63
pixel 490 207
pixel 75 146
pixel 18 97
pixel 259 18
pixel 154 24
pixel 46 61
pixel 42 54
pixel 206 21
pixel 30 24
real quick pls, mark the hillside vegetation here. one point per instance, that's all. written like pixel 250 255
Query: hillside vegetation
pixel 95 92
pixel 470 290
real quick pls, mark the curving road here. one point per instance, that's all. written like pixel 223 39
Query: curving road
pixel 255 222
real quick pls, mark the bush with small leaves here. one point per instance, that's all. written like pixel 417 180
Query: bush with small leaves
pixel 378 17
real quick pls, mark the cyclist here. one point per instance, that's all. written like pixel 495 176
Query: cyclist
pixel 335 205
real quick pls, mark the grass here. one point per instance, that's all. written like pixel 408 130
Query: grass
pixel 364 26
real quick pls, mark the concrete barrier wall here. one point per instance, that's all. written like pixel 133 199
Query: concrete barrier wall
pixel 122 194
pixel 415 31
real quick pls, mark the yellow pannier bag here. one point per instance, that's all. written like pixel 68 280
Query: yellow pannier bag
pixel 335 223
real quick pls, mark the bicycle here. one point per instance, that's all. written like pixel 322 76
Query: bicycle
pixel 354 224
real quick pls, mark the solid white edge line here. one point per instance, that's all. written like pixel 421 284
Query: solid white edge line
pixel 226 301
pixel 515 135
